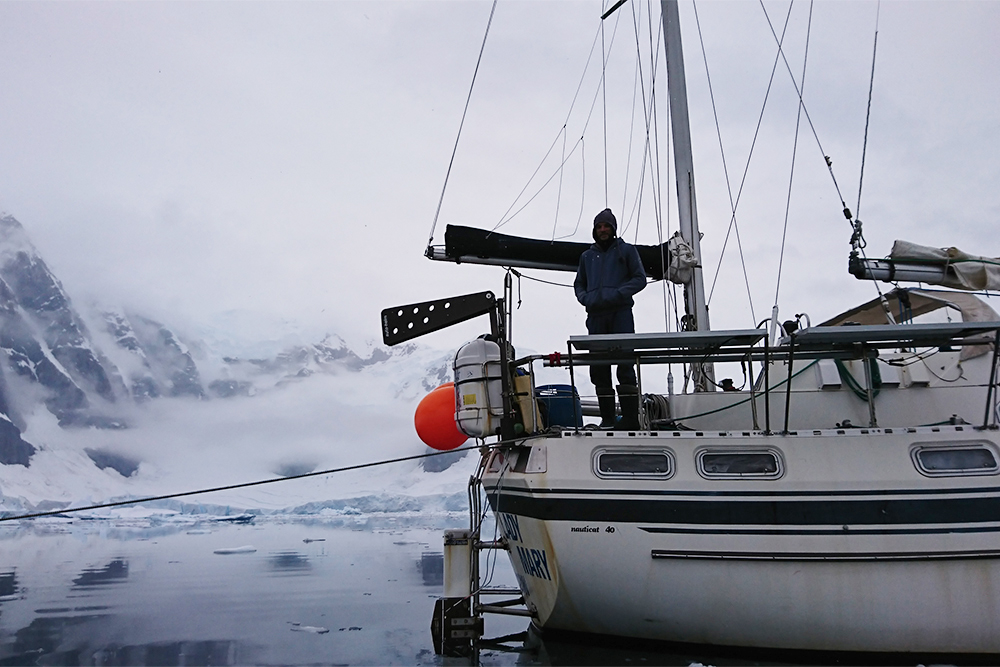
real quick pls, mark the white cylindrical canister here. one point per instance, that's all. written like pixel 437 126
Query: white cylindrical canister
pixel 457 563
pixel 478 390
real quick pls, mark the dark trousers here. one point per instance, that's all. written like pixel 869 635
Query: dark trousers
pixel 615 321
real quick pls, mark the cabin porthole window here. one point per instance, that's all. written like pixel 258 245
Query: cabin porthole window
pixel 740 463
pixel 633 464
pixel 955 459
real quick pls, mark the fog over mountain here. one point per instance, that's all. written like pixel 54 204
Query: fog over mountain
pixel 226 195
pixel 103 401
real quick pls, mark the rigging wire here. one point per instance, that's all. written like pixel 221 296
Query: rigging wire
pixel 733 226
pixel 555 218
pixel 652 148
pixel 604 103
pixel 521 274
pixel 669 293
pixel 805 110
pixel 579 144
pixel 583 193
pixel 650 162
pixel 753 145
pixel 636 84
pixel 639 85
pixel 648 108
pixel 465 111
pixel 857 238
pixel 868 113
pixel 230 487
pixel 856 223
pixel 508 216
pixel 564 133
pixel 791 173
pixel 656 177
pixel 650 155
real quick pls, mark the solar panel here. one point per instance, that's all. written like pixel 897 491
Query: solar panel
pixel 686 340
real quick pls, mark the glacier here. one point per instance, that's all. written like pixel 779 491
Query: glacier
pixel 105 404
pixel 319 420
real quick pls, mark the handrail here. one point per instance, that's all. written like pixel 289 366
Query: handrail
pixel 843 342
pixel 993 379
pixel 810 344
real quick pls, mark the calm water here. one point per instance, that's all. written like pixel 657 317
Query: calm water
pixel 346 591
pixel 309 593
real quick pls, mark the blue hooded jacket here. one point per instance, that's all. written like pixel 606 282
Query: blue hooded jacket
pixel 607 279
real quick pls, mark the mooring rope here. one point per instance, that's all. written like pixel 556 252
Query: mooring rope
pixel 230 487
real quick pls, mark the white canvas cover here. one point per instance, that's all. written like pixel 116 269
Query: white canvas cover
pixel 964 271
pixel 921 302
pixel 682 260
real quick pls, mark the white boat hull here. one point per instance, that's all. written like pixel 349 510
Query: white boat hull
pixel 788 562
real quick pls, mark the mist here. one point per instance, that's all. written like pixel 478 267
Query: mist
pixel 263 175
pixel 300 425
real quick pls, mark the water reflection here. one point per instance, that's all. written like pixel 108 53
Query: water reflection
pixel 289 561
pixel 44 636
pixel 170 601
pixel 8 584
pixel 431 566
pixel 200 653
pixel 115 572
pixel 8 588
pixel 68 640
pixel 166 599
pixel 197 653
pixel 571 648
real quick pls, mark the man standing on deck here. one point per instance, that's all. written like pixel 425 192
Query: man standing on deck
pixel 610 274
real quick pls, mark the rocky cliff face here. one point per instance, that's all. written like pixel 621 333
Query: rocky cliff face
pixel 47 353
pixel 49 357
pixel 163 365
pixel 329 355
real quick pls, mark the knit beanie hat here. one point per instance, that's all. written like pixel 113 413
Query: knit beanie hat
pixel 606 216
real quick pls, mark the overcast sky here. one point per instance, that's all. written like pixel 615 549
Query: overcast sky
pixel 277 165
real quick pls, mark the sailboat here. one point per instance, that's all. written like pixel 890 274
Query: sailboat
pixel 848 499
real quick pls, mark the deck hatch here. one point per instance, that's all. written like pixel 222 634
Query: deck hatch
pixel 632 464
pixel 730 464
pixel 969 458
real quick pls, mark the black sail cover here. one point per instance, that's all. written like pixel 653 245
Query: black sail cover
pixel 478 246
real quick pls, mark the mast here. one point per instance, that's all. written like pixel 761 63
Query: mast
pixel 695 307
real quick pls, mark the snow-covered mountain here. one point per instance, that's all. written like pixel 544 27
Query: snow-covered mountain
pixel 108 402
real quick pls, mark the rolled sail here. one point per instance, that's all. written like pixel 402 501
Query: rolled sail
pixel 949 267
pixel 478 246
